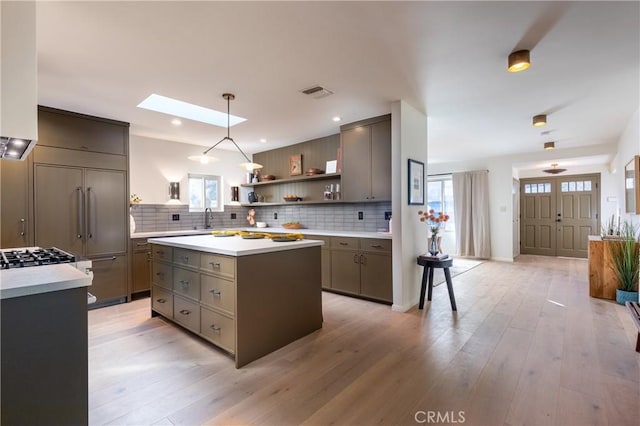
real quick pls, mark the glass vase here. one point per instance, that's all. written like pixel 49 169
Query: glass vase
pixel 433 245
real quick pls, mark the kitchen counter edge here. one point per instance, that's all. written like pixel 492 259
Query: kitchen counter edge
pixel 303 231
pixel 20 282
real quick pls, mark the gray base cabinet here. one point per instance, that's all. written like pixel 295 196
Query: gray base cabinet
pixel 16 229
pixel 140 265
pixel 361 267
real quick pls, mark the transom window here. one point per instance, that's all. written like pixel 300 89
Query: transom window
pixel 576 186
pixel 205 191
pixel 537 188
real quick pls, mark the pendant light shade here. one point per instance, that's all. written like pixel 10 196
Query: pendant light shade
pixel 549 145
pixel 554 170
pixel 248 165
pixel 519 61
pixel 539 120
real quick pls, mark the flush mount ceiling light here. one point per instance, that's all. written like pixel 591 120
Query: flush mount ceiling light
pixel 519 61
pixel 539 120
pixel 549 145
pixel 249 165
pixel 554 169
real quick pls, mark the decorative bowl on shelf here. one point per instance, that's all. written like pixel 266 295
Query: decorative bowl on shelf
pixel 314 171
pixel 268 177
pixel 292 225
pixel 292 197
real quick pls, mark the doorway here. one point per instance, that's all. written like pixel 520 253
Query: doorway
pixel 558 214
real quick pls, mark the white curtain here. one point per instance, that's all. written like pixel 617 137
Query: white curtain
pixel 471 212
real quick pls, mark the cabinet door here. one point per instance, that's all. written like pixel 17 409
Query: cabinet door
pixel 325 256
pixel 15 229
pixel 375 276
pixel 58 208
pixel 381 160
pixel 356 164
pixel 345 271
pixel 106 212
pixel 140 273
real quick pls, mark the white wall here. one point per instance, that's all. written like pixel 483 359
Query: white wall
pixel 155 162
pixel 501 172
pixel 408 140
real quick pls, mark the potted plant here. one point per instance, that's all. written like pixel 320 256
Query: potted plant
pixel 625 254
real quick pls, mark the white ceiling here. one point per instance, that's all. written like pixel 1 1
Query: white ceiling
pixel 447 59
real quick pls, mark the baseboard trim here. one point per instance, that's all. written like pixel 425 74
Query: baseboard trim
pixel 503 259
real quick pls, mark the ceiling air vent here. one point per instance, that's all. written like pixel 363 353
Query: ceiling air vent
pixel 317 92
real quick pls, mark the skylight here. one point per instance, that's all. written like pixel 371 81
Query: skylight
pixel 183 109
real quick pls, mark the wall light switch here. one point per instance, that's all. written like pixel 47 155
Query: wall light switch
pixel 175 217
pixel 360 215
pixel 233 215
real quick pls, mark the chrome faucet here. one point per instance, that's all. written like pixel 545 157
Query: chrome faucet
pixel 208 216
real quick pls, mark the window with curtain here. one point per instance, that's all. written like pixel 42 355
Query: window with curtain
pixel 205 191
pixel 440 198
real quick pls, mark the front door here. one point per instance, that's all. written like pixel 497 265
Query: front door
pixel 558 214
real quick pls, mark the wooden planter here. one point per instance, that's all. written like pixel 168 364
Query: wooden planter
pixel 603 281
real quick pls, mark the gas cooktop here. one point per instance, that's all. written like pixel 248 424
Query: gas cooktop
pixel 33 256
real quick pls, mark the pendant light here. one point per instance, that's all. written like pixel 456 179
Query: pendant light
pixel 519 61
pixel 554 170
pixel 248 165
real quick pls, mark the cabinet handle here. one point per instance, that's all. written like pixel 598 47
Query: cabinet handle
pixel 22 225
pixel 80 211
pixel 161 300
pixel 185 259
pixel 160 252
pixel 343 244
pixel 185 312
pixel 184 282
pixel 363 259
pixel 215 292
pixel 355 258
pixel 215 328
pixel 160 274
pixel 104 259
pixel 142 244
pixel 215 264
pixel 89 213
pixel 376 246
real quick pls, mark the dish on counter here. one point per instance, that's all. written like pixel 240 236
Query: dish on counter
pixel 287 237
pixel 224 233
pixel 292 225
pixel 253 236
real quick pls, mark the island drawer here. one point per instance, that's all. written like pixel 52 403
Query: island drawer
pixel 162 301
pixel 345 243
pixel 187 313
pixel 375 245
pixel 162 252
pixel 224 266
pixel 161 274
pixel 218 293
pixel 219 329
pixel 186 257
pixel 327 240
pixel 186 283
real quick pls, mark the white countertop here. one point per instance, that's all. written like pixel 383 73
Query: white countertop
pixel 41 279
pixel 304 231
pixel 232 246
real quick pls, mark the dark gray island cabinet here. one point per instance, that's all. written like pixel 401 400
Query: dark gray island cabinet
pixel 249 297
pixel 44 352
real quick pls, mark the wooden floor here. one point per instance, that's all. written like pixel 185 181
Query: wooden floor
pixel 527 346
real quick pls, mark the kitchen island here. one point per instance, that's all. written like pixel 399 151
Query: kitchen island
pixel 249 297
pixel 44 354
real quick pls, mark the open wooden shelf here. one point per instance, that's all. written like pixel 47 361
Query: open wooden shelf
pixel 293 180
pixel 296 203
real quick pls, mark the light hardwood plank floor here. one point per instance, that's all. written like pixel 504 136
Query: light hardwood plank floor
pixel 527 346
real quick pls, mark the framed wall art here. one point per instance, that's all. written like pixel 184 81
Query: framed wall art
pixel 295 165
pixel 416 182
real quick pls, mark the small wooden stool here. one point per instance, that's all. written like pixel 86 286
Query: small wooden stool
pixel 429 265
pixel 634 311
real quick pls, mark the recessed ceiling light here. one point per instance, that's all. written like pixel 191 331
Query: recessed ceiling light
pixel 176 122
pixel 263 140
pixel 336 119
pixel 549 145
pixel 183 109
